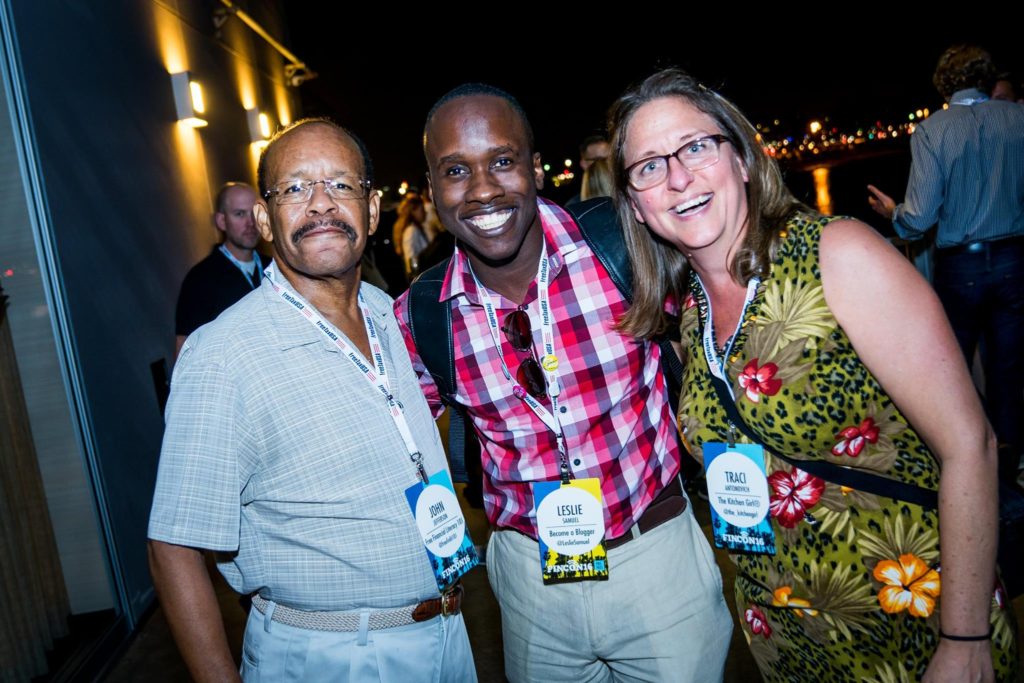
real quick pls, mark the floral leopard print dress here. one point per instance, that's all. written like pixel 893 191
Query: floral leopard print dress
pixel 852 592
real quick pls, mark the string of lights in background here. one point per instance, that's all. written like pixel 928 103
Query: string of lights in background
pixel 819 144
pixel 821 139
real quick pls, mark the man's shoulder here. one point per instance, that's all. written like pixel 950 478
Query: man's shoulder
pixel 1009 113
pixel 212 269
pixel 241 325
pixel 212 262
pixel 376 298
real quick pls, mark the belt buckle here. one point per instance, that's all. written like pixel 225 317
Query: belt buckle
pixel 449 601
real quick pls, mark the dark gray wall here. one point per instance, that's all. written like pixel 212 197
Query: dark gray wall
pixel 128 194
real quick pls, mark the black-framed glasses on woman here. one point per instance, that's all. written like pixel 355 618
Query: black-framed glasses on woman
pixel 694 155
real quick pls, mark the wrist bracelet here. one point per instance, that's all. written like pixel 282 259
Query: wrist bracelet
pixel 966 639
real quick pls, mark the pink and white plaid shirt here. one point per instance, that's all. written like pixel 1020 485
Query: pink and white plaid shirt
pixel 613 407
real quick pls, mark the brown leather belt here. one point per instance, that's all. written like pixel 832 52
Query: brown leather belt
pixel 449 603
pixel 669 504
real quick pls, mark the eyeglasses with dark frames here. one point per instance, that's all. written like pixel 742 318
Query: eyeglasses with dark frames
pixel 694 155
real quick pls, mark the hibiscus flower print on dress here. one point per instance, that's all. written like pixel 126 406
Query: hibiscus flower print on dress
pixel 792 494
pixel 851 440
pixel 783 597
pixel 758 622
pixel 759 380
pixel 910 584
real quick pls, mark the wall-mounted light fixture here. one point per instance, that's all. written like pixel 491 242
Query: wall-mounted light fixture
pixel 259 126
pixel 188 99
pixel 295 72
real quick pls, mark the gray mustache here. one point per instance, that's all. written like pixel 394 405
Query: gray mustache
pixel 349 231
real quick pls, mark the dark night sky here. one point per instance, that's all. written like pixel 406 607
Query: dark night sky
pixel 791 71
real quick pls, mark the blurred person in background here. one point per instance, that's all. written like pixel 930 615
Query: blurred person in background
pixel 967 175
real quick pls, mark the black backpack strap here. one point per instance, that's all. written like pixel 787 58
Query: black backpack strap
pixel 599 222
pixel 430 323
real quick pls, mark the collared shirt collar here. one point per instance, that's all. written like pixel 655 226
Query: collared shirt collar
pixel 968 96
pixel 292 331
pixel 561 235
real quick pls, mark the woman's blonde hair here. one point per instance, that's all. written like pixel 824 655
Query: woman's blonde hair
pixel 598 180
pixel 410 203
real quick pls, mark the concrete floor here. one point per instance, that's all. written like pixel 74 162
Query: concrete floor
pixel 153 657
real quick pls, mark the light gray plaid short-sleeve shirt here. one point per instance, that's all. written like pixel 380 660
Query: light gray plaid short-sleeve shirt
pixel 280 453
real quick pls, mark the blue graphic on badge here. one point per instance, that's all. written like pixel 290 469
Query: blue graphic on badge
pixel 443 528
pixel 739 497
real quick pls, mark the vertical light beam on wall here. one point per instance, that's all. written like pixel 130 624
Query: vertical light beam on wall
pixel 170 40
pixel 185 142
pixel 283 102
pixel 821 189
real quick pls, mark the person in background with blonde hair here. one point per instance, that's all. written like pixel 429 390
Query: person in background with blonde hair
pixel 819 365
pixel 598 180
pixel 410 232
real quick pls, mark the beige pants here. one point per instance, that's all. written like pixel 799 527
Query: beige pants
pixel 659 617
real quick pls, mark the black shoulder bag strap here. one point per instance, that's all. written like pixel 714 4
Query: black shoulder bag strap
pixel 830 472
pixel 430 323
pixel 1010 556
pixel 599 223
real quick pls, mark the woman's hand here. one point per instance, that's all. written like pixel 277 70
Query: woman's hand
pixel 958 662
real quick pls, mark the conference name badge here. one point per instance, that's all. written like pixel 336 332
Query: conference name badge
pixel 570 530
pixel 443 528
pixel 738 493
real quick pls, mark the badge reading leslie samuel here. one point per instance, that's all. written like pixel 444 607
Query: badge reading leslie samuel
pixel 570 530
pixel 443 528
pixel 738 493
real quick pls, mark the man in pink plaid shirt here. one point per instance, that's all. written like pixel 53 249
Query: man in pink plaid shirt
pixel 569 413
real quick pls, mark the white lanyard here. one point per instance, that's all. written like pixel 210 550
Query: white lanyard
pixel 548 363
pixel 714 364
pixel 378 379
pixel 253 278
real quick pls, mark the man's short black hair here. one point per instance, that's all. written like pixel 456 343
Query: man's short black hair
pixel 261 169
pixel 475 89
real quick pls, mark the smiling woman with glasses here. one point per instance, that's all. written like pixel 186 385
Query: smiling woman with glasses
pixel 820 366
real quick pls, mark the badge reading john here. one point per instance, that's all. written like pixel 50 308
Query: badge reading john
pixel 570 528
pixel 738 493
pixel 443 528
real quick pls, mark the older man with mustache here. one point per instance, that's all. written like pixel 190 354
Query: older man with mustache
pixel 304 453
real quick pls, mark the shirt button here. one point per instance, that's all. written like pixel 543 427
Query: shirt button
pixel 577 462
pixel 563 409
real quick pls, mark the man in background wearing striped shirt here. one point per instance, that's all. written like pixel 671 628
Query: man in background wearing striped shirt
pixel 967 175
